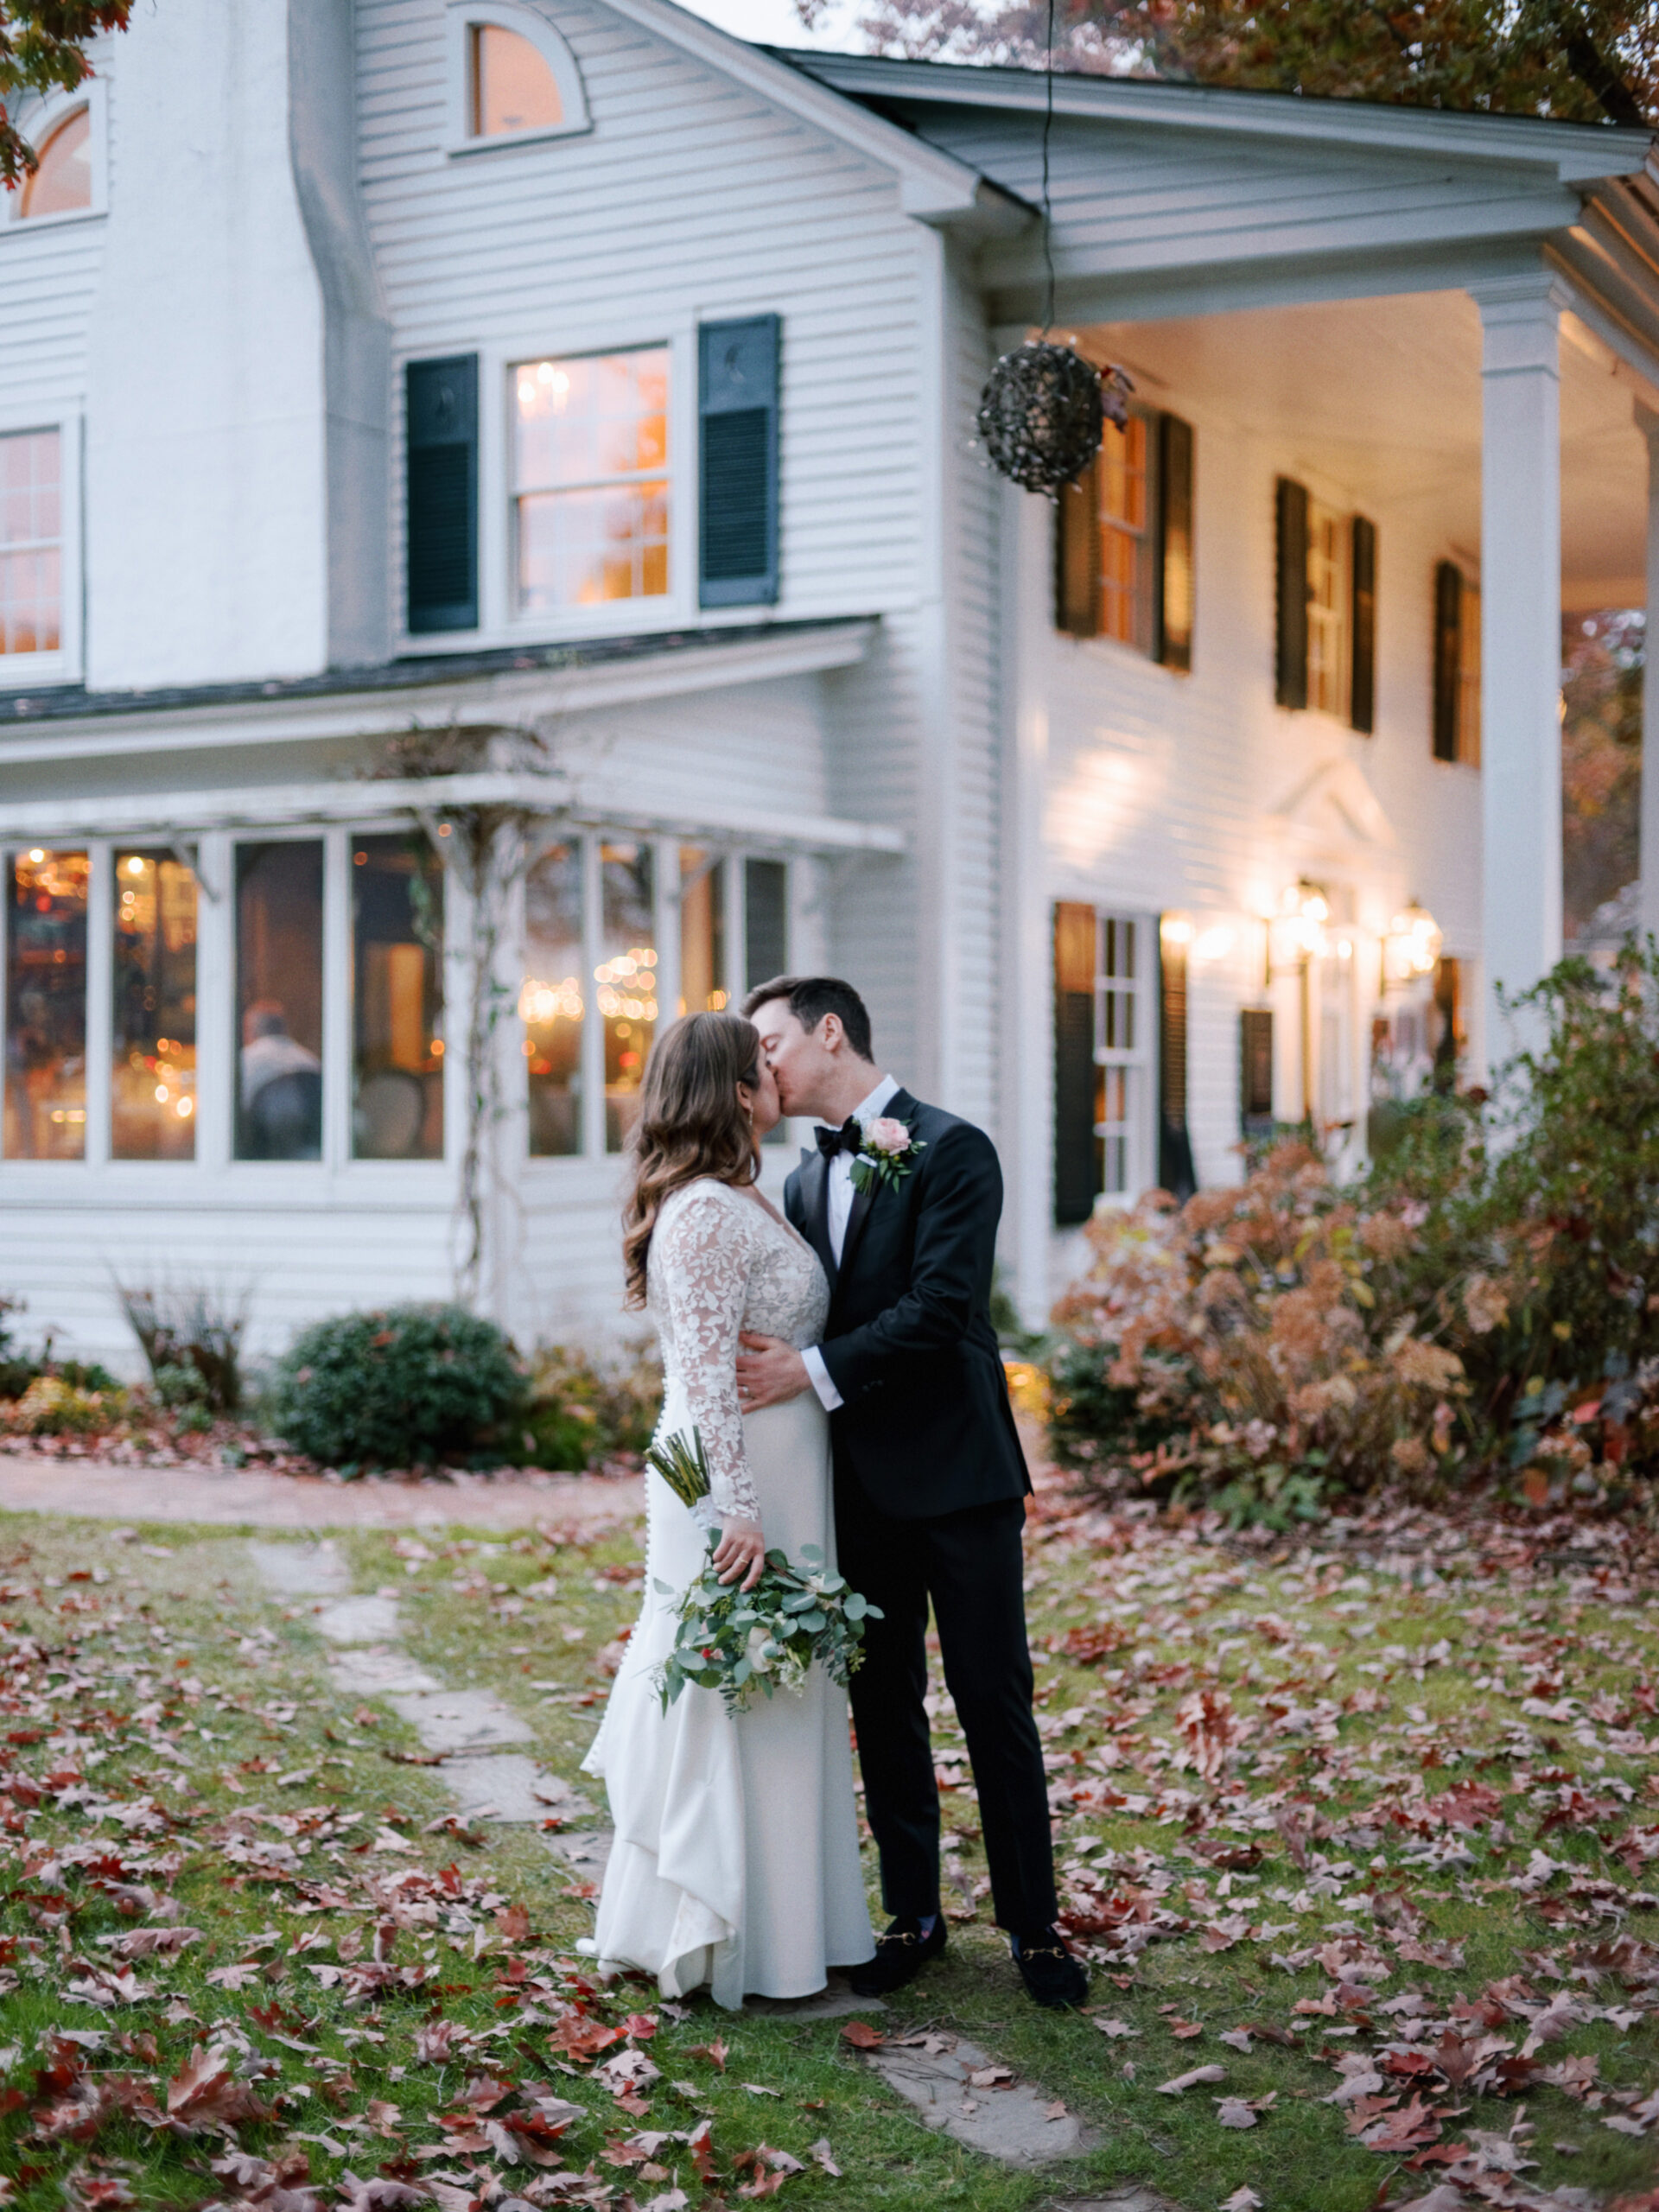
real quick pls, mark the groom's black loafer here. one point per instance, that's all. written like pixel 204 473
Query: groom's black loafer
pixel 900 1955
pixel 1052 1977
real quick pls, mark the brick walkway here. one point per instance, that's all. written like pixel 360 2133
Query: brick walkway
pixel 237 1497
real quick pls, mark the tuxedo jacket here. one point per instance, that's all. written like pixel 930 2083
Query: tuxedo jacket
pixel 925 1427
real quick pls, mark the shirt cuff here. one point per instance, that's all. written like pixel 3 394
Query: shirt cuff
pixel 812 1360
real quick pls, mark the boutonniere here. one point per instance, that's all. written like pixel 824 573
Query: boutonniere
pixel 887 1155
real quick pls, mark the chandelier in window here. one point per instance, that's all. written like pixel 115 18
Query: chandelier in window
pixel 1044 410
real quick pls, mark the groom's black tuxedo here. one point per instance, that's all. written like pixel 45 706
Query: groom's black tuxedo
pixel 930 1502
pixel 926 1427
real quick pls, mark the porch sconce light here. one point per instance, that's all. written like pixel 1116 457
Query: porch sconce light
pixel 1304 910
pixel 1411 946
pixel 1175 929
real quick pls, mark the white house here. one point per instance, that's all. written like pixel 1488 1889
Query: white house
pixel 558 406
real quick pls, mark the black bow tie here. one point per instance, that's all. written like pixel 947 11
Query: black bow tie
pixel 850 1137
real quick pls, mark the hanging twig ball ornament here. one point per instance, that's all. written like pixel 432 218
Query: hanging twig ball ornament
pixel 1043 413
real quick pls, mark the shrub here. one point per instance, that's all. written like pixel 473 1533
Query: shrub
pixel 581 1412
pixel 191 1327
pixel 16 1371
pixel 52 1407
pixel 404 1385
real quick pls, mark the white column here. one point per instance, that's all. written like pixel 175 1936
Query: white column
pixel 1520 637
pixel 1648 912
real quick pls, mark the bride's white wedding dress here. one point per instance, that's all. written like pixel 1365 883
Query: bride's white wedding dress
pixel 735 1861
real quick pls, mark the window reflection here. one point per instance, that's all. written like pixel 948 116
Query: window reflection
pixel 279 1000
pixel 513 88
pixel 31 541
pixel 704 988
pixel 153 1075
pixel 396 999
pixel 590 455
pixel 625 978
pixel 551 1004
pixel 45 1007
pixel 63 183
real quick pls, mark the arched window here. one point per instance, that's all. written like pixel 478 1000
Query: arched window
pixel 62 185
pixel 513 88
pixel 512 78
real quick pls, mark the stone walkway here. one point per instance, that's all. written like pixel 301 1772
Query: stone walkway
pixel 246 1497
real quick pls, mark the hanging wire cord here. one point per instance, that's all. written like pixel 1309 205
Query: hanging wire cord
pixel 1048 219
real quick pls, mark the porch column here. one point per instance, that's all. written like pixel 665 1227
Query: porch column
pixel 1648 849
pixel 1521 639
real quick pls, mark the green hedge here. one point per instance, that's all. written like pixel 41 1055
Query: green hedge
pixel 402 1386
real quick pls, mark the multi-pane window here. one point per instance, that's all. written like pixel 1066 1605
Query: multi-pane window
pixel 153 1071
pixel 704 985
pixel 626 979
pixel 1327 609
pixel 1120 1043
pixel 552 1001
pixel 398 999
pixel 46 1006
pixel 31 541
pixel 279 1000
pixel 590 480
pixel 1125 537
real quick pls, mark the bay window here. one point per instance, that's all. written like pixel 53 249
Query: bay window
pixel 279 957
pixel 626 980
pixel 153 1075
pixel 46 1006
pixel 396 999
pixel 552 1003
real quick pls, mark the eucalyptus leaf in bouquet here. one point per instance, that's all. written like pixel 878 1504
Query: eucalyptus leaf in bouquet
pixel 745 1642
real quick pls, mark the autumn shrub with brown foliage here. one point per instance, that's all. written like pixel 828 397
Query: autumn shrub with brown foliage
pixel 1486 1301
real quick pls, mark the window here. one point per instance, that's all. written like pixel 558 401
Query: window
pixel 46 1006
pixel 1124 558
pixel 626 977
pixel 1120 1049
pixel 512 87
pixel 279 1000
pixel 62 185
pixel 1457 666
pixel 396 999
pixel 1324 643
pixel 703 987
pixel 1256 1071
pixel 590 480
pixel 1102 1066
pixel 551 1004
pixel 153 1073
pixel 31 541
pixel 1176 1172
pixel 766 920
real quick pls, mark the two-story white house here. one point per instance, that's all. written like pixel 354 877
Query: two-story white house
pixel 412 406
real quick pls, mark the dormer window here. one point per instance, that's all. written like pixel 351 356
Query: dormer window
pixel 513 79
pixel 62 185
pixel 513 87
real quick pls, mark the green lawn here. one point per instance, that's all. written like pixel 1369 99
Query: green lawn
pixel 1315 1783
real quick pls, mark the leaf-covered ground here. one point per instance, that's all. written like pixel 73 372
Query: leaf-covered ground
pixel 1357 1838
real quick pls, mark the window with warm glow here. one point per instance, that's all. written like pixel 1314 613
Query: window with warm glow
pixel 279 1000
pixel 625 980
pixel 31 541
pixel 552 1001
pixel 398 999
pixel 511 86
pixel 46 1006
pixel 1125 541
pixel 703 987
pixel 62 185
pixel 1327 609
pixel 591 480
pixel 153 1074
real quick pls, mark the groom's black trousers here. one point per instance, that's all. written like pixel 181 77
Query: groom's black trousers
pixel 972 1565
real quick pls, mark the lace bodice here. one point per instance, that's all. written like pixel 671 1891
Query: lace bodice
pixel 719 1264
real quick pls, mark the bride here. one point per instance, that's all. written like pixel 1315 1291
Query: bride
pixel 735 1861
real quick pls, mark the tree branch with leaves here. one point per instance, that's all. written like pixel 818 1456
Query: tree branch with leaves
pixel 43 50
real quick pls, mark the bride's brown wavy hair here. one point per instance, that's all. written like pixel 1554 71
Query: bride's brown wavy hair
pixel 690 1124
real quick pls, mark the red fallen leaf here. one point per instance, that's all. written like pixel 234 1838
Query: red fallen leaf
pixel 1405 2130
pixel 700 2144
pixel 1365 2112
pixel 578 2037
pixel 861 2035
pixel 514 1922
pixel 714 2052
pixel 640 2025
pixel 205 2094
pixel 1467 1805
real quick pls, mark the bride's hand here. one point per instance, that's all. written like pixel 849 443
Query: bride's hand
pixel 741 1551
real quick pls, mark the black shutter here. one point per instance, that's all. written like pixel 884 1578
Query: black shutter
pixel 1362 694
pixel 765 921
pixel 1175 1172
pixel 1077 1156
pixel 738 408
pixel 440 421
pixel 1448 656
pixel 1076 556
pixel 1290 659
pixel 1172 575
pixel 1255 1070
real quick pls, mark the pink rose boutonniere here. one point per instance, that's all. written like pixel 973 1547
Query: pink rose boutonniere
pixel 889 1153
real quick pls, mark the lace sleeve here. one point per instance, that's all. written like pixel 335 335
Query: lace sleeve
pixel 704 1257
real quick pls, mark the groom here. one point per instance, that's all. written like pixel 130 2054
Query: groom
pixel 900 1201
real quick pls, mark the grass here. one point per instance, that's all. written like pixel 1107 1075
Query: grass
pixel 1365 1687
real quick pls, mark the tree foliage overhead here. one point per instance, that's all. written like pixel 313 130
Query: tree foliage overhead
pixel 43 49
pixel 1576 60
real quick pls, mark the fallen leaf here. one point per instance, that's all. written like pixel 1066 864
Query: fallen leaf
pixel 1173 2089
pixel 1234 2112
pixel 862 2035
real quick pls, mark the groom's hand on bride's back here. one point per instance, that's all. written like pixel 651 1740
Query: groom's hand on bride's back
pixel 769 1372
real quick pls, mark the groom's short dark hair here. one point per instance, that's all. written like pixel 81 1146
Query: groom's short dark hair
pixel 810 997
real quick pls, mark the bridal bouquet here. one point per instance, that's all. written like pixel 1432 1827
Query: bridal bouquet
pixel 740 1642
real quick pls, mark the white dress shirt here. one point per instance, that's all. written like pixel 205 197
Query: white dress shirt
pixel 841 1209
